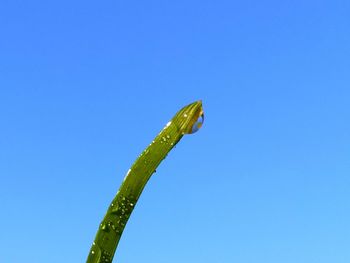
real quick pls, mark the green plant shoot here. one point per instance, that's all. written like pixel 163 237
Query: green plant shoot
pixel 186 121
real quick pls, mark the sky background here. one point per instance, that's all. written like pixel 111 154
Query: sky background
pixel 85 86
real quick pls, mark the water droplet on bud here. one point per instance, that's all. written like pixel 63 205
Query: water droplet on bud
pixel 198 124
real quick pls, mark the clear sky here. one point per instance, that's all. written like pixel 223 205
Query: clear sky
pixel 86 85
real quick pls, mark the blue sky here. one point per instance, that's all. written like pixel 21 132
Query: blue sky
pixel 85 86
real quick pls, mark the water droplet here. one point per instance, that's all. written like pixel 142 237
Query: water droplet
pixel 105 227
pixel 198 124
pixel 106 257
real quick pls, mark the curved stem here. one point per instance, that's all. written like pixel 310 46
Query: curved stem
pixel 111 228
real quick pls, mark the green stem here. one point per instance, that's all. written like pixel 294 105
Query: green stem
pixel 111 228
